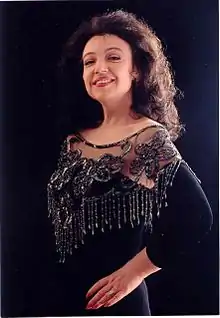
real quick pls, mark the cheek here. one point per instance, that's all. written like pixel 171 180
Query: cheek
pixel 86 81
pixel 84 78
pixel 126 80
pixel 87 85
pixel 124 75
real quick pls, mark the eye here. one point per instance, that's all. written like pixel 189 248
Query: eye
pixel 89 62
pixel 114 57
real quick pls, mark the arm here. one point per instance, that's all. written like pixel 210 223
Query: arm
pixel 176 231
pixel 180 227
pixel 122 282
pixel 141 265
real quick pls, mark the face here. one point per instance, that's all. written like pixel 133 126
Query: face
pixel 107 68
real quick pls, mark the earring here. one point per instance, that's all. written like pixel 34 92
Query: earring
pixel 134 76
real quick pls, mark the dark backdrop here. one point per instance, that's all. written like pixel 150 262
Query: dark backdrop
pixel 32 34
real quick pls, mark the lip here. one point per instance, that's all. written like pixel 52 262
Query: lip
pixel 104 84
pixel 111 79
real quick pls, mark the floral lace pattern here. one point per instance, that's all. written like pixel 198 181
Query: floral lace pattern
pixel 74 213
pixel 149 155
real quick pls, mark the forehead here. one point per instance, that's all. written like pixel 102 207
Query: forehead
pixel 100 43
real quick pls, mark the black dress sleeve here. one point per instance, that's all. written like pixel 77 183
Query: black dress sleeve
pixel 182 224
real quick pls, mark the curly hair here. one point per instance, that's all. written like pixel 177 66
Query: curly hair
pixel 154 93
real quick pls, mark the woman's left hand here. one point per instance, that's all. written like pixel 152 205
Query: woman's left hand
pixel 111 289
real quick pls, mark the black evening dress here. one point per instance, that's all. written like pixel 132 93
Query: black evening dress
pixel 108 202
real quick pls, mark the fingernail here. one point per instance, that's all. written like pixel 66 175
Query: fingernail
pixel 95 306
pixel 89 307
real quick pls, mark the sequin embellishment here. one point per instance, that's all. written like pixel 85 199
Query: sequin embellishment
pixel 75 212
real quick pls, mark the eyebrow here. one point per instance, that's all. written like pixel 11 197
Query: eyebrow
pixel 108 49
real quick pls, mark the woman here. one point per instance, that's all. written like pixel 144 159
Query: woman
pixel 122 201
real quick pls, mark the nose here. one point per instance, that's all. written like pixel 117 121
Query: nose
pixel 100 67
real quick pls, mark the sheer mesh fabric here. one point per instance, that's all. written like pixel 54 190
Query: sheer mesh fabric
pixel 145 136
pixel 102 187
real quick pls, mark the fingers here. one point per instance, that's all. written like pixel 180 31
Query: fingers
pixel 103 294
pixel 108 299
pixel 114 299
pixel 97 286
pixel 106 292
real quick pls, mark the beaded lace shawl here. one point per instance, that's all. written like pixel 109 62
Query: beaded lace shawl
pixel 101 187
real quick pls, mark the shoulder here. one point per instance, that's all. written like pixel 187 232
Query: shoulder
pixel 70 140
pixel 155 149
pixel 156 141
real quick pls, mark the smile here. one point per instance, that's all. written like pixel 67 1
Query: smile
pixel 103 82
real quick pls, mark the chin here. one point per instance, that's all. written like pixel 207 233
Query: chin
pixel 103 98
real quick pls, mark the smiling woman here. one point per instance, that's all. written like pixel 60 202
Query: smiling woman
pixel 107 61
pixel 140 56
pixel 116 199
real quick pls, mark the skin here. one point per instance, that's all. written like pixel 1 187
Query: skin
pixel 121 282
pixel 111 57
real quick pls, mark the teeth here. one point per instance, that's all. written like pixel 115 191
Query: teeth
pixel 103 82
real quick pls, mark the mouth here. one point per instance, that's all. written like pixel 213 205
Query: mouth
pixel 103 82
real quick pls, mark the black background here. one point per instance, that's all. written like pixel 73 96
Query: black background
pixel 32 34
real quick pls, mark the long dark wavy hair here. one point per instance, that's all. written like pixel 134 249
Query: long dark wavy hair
pixel 153 94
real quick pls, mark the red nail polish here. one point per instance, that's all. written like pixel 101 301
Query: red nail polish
pixel 97 306
pixel 89 307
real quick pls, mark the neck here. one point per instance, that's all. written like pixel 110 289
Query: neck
pixel 118 113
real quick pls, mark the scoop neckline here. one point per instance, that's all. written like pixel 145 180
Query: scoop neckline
pixel 88 143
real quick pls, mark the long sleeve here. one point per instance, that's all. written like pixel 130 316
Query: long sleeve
pixel 183 223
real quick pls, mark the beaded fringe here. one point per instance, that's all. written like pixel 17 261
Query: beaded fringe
pixel 113 209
